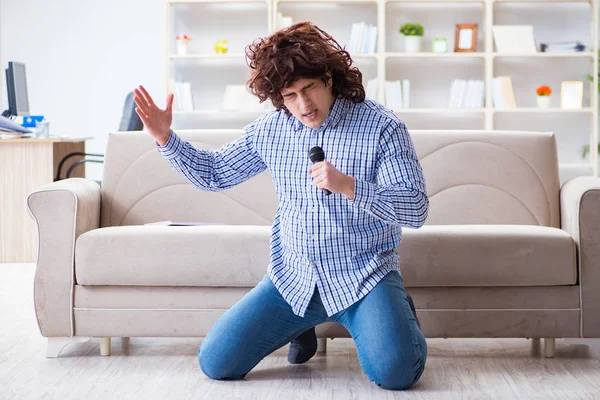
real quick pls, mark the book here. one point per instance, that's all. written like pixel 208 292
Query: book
pixel 466 94
pixel 562 47
pixel 363 39
pixel 393 95
pixel 405 93
pixel 183 96
pixel 503 93
pixel 371 89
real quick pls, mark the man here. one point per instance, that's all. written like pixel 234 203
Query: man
pixel 333 257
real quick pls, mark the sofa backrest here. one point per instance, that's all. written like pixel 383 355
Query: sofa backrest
pixel 473 177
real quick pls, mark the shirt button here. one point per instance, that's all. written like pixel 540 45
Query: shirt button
pixel 315 237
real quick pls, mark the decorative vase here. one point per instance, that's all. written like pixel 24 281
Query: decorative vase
pixel 439 45
pixel 182 46
pixel 543 101
pixel 412 44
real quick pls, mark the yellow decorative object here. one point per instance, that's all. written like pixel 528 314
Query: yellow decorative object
pixel 221 46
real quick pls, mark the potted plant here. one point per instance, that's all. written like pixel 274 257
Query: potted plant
pixel 182 44
pixel 586 149
pixel 543 96
pixel 413 33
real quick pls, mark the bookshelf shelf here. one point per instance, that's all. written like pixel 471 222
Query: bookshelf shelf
pixel 543 1
pixel 439 110
pixel 430 74
pixel 220 113
pixel 374 2
pixel 227 56
pixel 216 1
pixel 574 165
pixel 543 110
pixel 435 55
pixel 581 54
pixel 434 1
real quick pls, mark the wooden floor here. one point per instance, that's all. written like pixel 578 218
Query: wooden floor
pixel 168 368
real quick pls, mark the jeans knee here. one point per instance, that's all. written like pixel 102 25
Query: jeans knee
pixel 216 367
pixel 399 376
pixel 395 380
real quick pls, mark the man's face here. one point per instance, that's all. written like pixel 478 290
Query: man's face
pixel 309 100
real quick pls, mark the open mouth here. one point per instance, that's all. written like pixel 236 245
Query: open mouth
pixel 311 115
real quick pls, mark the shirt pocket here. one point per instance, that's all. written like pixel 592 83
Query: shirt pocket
pixel 358 166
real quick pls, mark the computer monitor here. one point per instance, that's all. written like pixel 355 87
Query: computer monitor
pixel 16 87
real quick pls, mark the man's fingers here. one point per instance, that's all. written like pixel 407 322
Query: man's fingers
pixel 170 98
pixel 143 116
pixel 140 102
pixel 315 167
pixel 146 96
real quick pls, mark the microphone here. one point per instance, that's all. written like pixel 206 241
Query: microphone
pixel 316 154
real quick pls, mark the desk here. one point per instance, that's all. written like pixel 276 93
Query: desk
pixel 27 165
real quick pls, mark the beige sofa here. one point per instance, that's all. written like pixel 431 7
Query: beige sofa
pixel 505 252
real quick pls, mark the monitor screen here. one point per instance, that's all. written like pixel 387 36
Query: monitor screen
pixel 16 84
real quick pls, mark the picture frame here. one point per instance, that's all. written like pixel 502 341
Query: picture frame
pixel 571 94
pixel 514 39
pixel 465 38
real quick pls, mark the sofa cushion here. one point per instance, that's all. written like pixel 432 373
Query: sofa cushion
pixel 209 255
pixel 487 255
pixel 238 256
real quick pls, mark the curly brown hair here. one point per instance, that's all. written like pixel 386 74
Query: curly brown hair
pixel 301 51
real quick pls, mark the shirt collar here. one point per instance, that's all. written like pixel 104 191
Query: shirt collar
pixel 336 114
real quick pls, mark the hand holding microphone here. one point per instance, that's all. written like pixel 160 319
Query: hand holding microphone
pixel 327 177
pixel 316 155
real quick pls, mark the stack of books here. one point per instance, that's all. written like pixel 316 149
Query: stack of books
pixel 371 89
pixel 397 94
pixel 466 94
pixel 363 39
pixel 184 100
pixel 562 47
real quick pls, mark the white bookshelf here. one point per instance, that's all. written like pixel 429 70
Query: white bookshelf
pixel 430 74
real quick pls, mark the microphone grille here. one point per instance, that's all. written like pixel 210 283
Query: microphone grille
pixel 316 154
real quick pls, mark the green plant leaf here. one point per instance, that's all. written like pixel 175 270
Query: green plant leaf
pixel 412 30
pixel 586 149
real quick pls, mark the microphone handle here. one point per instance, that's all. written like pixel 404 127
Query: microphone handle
pixel 327 192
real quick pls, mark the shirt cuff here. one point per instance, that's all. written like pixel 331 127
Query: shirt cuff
pixel 364 194
pixel 172 148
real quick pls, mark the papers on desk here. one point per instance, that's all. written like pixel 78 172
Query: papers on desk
pixel 9 129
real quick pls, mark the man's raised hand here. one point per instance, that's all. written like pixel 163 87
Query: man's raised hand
pixel 156 120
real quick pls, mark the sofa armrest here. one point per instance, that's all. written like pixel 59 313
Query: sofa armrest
pixel 62 210
pixel 580 216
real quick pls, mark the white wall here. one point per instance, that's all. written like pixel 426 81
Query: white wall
pixel 82 59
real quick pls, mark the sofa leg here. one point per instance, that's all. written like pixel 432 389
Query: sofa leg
pixel 105 346
pixel 549 346
pixel 321 345
pixel 56 344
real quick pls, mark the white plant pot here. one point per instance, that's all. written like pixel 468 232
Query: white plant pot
pixel 543 101
pixel 182 47
pixel 412 44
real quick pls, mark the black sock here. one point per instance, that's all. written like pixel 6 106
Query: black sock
pixel 303 347
pixel 412 308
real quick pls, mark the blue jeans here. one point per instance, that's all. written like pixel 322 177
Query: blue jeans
pixel 390 346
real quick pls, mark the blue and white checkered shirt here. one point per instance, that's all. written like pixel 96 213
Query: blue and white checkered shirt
pixel 342 246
